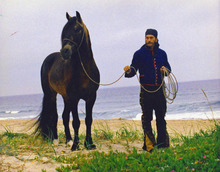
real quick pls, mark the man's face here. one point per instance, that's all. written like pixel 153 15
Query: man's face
pixel 150 40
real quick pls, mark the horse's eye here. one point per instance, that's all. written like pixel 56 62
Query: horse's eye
pixel 76 29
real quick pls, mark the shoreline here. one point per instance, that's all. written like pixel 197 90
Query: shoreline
pixel 206 115
pixel 174 127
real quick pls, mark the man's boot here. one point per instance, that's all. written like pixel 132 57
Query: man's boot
pixel 149 141
pixel 163 142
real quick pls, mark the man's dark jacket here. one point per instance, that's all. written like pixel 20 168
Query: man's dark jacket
pixel 148 63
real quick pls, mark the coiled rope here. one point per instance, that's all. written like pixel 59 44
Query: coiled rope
pixel 170 88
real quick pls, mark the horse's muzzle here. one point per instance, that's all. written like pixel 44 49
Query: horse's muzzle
pixel 66 52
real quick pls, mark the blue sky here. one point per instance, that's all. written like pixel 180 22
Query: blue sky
pixel 189 31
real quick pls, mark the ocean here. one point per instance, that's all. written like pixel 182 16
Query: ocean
pixel 123 102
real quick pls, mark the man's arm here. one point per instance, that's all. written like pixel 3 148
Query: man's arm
pixel 133 68
pixel 166 66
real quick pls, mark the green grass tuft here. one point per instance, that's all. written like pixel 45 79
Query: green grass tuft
pixel 198 152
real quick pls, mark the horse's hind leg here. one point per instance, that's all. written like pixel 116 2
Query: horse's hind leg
pixel 76 125
pixel 66 119
pixel 89 106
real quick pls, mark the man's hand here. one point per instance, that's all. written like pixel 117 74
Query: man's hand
pixel 127 69
pixel 162 69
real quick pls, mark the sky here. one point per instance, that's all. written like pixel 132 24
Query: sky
pixel 30 30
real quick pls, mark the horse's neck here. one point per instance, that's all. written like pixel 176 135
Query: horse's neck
pixel 86 51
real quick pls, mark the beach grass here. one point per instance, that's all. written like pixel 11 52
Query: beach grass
pixel 197 152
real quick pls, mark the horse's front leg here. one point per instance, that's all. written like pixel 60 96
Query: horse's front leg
pixel 89 106
pixel 66 119
pixel 76 125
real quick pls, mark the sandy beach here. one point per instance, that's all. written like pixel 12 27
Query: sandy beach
pixel 26 162
pixel 184 127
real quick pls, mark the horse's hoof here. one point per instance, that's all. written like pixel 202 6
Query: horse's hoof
pixel 75 147
pixel 90 146
pixel 56 142
pixel 69 143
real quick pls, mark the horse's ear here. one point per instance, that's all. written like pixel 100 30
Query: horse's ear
pixel 78 16
pixel 68 16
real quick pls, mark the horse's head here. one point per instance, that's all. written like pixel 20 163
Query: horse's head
pixel 73 35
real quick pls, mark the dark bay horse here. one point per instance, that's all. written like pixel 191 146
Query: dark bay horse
pixel 62 73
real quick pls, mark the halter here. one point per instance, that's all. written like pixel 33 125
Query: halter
pixel 78 46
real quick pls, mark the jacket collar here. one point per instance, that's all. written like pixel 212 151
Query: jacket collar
pixel 156 47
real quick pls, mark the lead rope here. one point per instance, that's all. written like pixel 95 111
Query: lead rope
pixel 94 80
pixel 169 90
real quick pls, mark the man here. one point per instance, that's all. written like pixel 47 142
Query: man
pixel 150 61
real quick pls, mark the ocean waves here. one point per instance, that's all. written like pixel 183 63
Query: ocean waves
pixel 123 102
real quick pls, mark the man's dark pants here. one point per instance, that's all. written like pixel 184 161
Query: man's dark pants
pixel 157 102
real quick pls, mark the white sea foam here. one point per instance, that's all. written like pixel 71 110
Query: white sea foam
pixel 187 116
pixel 11 112
pixel 20 117
pixel 125 110
pixel 6 118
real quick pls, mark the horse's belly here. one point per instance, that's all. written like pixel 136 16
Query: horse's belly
pixel 59 87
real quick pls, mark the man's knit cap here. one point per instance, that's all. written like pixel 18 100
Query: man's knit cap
pixel 151 32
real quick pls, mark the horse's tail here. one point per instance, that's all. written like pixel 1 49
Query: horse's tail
pixel 47 119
